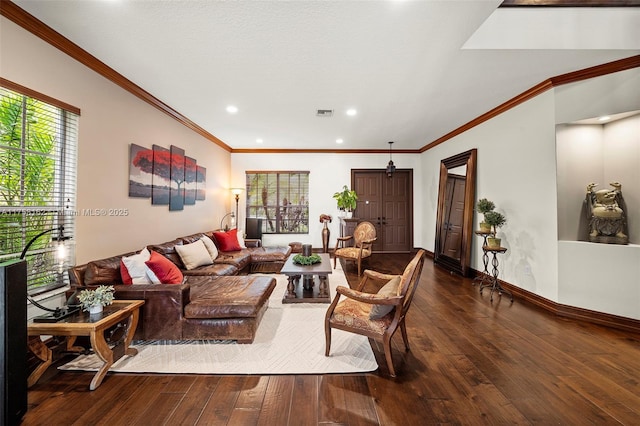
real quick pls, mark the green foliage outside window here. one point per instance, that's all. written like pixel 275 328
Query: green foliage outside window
pixel 281 199
pixel 31 190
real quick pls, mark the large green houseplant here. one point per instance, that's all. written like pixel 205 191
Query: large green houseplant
pixel 346 199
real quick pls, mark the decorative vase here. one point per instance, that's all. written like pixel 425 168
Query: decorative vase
pixel 485 227
pixel 349 214
pixel 493 242
pixel 325 238
pixel 95 309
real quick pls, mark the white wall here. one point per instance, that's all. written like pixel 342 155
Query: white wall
pixel 328 173
pixel 111 119
pixel 515 170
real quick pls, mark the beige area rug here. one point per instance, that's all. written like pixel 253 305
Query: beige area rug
pixel 290 340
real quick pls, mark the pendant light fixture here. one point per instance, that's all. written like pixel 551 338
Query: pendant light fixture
pixel 390 167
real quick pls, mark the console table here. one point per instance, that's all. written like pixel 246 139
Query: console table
pixel 495 283
pixel 347 226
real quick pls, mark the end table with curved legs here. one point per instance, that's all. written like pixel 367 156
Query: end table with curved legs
pixel 495 283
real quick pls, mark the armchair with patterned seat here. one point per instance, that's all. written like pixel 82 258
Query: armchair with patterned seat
pixel 378 315
pixel 363 237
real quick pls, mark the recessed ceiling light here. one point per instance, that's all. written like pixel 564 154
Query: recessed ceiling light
pixel 259 140
pixel 339 141
pixel 352 112
pixel 232 109
pixel 604 118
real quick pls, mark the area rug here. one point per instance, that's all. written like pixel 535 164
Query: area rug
pixel 289 340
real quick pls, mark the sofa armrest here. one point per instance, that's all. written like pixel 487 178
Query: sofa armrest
pixel 252 243
pixel 162 312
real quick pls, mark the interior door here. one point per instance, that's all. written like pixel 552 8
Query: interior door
pixel 387 203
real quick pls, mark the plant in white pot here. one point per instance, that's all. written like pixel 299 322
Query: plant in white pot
pixel 495 220
pixel 485 206
pixel 94 300
pixel 346 200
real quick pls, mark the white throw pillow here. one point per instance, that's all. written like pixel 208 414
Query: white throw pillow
pixel 211 247
pixel 138 270
pixel 241 238
pixel 194 255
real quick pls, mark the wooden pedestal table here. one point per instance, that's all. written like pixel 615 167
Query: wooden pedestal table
pixel 495 283
pixel 119 320
pixel 315 281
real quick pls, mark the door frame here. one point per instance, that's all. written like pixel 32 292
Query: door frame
pixel 411 247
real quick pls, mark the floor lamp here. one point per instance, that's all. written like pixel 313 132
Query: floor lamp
pixel 237 192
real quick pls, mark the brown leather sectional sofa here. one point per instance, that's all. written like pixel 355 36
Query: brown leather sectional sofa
pixel 217 301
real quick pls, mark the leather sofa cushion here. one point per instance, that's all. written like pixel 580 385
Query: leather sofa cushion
pixel 216 269
pixel 240 259
pixel 168 250
pixel 229 297
pixel 270 254
pixel 104 271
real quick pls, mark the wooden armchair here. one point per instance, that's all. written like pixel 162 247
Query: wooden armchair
pixel 363 237
pixel 364 313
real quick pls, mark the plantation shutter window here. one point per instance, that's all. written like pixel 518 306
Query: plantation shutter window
pixel 38 140
pixel 281 199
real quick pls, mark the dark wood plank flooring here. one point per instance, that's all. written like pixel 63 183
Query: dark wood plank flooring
pixel 471 362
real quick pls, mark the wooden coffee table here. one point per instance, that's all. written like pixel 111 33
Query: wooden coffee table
pixel 307 283
pixel 119 318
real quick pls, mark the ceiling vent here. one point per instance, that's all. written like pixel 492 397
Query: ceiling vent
pixel 324 112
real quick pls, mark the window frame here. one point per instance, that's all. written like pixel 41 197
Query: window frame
pixel 54 204
pixel 290 219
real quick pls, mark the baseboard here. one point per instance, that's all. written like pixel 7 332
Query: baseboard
pixel 580 314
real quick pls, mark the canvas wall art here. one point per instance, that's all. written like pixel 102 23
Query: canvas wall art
pixel 166 176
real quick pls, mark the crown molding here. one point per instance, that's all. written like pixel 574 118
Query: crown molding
pixel 38 28
pixel 30 23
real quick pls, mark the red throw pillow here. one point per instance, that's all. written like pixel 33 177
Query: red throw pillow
pixel 228 241
pixel 124 274
pixel 166 271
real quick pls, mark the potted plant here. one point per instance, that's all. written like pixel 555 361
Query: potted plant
pixel 94 300
pixel 346 199
pixel 485 206
pixel 495 220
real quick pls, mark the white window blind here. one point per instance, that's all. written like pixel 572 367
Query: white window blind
pixel 37 185
pixel 281 199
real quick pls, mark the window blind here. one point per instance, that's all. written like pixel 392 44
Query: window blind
pixel 281 199
pixel 38 165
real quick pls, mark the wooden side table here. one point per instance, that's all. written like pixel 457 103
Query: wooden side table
pixel 121 313
pixel 484 275
pixel 495 283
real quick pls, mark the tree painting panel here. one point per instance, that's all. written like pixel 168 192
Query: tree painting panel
pixel 176 201
pixel 201 182
pixel 161 175
pixel 189 181
pixel 140 171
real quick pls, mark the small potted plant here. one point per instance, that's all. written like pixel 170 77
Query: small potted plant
pixel 94 300
pixel 495 220
pixel 346 200
pixel 485 206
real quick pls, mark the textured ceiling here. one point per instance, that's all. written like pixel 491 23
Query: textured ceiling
pixel 413 69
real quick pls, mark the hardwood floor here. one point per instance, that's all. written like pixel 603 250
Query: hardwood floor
pixel 471 362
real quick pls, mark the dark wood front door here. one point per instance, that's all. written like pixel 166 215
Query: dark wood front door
pixel 387 203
